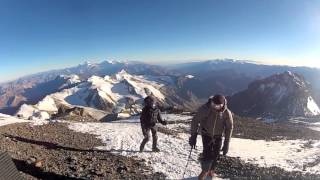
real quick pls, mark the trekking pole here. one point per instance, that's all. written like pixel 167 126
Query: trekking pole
pixel 185 169
pixel 168 137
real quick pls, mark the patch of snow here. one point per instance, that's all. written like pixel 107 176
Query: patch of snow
pixel 26 111
pixel 42 115
pixel 73 79
pixel 104 89
pixel 289 73
pixel 315 127
pixel 140 85
pixel 123 115
pixel 38 122
pixel 47 104
pixel 115 87
pixel 296 79
pixel 189 76
pixel 312 123
pixel 291 155
pixel 38 111
pixel 86 63
pixel 7 119
pixel 312 106
pixel 111 62
pixel 70 80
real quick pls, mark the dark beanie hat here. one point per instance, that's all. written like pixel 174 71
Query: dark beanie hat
pixel 218 99
pixel 149 100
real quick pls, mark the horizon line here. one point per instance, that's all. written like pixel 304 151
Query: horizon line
pixel 166 62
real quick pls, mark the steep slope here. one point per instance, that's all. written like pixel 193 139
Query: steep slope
pixel 281 95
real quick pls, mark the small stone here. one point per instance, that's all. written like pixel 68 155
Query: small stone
pixel 73 168
pixel 121 169
pixel 92 171
pixel 74 158
pixel 38 164
pixel 80 169
pixel 33 160
pixel 99 172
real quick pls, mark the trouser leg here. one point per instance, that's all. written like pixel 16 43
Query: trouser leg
pixel 211 150
pixel 146 135
pixel 154 137
pixel 216 152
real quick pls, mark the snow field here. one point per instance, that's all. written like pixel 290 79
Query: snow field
pixel 124 138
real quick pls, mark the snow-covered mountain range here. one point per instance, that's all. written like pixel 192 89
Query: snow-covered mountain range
pixel 33 88
pixel 112 87
pixel 121 93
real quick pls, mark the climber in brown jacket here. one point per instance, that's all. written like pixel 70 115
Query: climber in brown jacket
pixel 215 120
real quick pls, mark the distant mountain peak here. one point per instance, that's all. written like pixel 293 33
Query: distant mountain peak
pixel 111 62
pixel 86 64
pixel 280 95
pixel 122 75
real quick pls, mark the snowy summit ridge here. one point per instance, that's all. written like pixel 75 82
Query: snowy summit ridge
pixel 121 93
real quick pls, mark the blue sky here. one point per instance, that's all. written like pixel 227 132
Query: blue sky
pixel 38 35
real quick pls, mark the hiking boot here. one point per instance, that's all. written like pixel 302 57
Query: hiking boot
pixel 155 149
pixel 141 148
pixel 212 173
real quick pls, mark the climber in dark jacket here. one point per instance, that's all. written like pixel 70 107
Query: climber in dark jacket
pixel 212 121
pixel 150 116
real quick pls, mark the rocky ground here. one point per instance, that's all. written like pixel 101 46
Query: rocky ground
pixel 254 129
pixel 234 168
pixel 248 128
pixel 53 151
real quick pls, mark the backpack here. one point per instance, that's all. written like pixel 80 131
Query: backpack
pixel 149 116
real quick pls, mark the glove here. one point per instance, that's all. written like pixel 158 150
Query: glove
pixel 225 147
pixel 164 123
pixel 193 141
